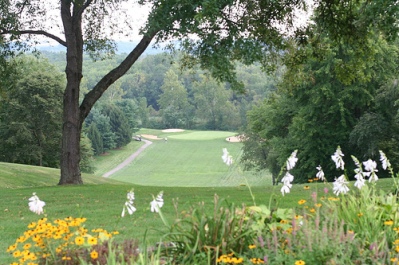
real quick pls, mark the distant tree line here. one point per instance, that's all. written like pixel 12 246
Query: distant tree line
pixel 164 95
pixel 155 93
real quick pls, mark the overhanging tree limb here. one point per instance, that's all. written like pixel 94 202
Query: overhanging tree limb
pixel 34 32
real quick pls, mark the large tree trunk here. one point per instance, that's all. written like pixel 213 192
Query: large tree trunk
pixel 71 122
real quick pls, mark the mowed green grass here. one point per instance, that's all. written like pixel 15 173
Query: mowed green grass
pixel 189 159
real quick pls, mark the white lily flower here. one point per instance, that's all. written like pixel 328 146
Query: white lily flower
pixel 286 188
pixel 288 178
pixel 35 204
pixel 371 167
pixel 337 158
pixel 226 157
pixel 340 185
pixel 320 173
pixel 157 203
pixel 291 161
pixel 129 204
pixel 384 160
pixel 360 182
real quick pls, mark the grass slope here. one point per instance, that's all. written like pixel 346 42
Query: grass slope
pixel 189 159
pixel 14 176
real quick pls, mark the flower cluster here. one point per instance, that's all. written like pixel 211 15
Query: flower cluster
pixel 288 178
pixel 45 242
pixel 35 204
pixel 155 204
pixel 129 204
pixel 227 158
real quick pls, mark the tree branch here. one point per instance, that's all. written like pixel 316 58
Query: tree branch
pixel 113 76
pixel 34 32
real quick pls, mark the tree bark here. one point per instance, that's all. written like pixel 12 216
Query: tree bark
pixel 71 124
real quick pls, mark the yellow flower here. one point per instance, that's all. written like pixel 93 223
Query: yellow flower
pixel 300 262
pixel 92 241
pixel 297 216
pixel 310 180
pixel 359 214
pixel 94 254
pixel 300 202
pixel 66 258
pixel 32 225
pixel 251 246
pixel 388 222
pixel 27 246
pixel 312 210
pixel 397 248
pixel 306 187
pixel 79 240
pixel 318 205
pixel 12 248
pixel 394 259
pixel 16 254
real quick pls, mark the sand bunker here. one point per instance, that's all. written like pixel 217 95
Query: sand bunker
pixel 173 130
pixel 234 139
pixel 150 136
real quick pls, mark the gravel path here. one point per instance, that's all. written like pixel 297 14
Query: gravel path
pixel 129 159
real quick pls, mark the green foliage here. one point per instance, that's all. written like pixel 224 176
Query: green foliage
pixel 173 102
pixel 119 124
pixel 320 105
pixel 96 140
pixel 196 232
pixel 30 114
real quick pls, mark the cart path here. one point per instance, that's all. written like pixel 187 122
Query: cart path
pixel 129 159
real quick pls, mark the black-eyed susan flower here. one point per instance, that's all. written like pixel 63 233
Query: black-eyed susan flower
pixel 388 222
pixel 79 240
pixel 300 202
pixel 94 254
pixel 252 246
pixel 300 262
pixel 92 241
pixel 306 187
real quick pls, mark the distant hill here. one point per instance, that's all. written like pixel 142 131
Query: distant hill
pixel 122 47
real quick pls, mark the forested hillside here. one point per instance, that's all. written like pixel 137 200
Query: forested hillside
pixel 156 93
pixel 163 94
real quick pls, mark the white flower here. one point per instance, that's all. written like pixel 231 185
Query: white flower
pixel 384 160
pixel 35 204
pixel 227 159
pixel 337 158
pixel 320 173
pixel 291 161
pixel 371 167
pixel 360 182
pixel 129 204
pixel 286 188
pixel 340 185
pixel 288 178
pixel 157 203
